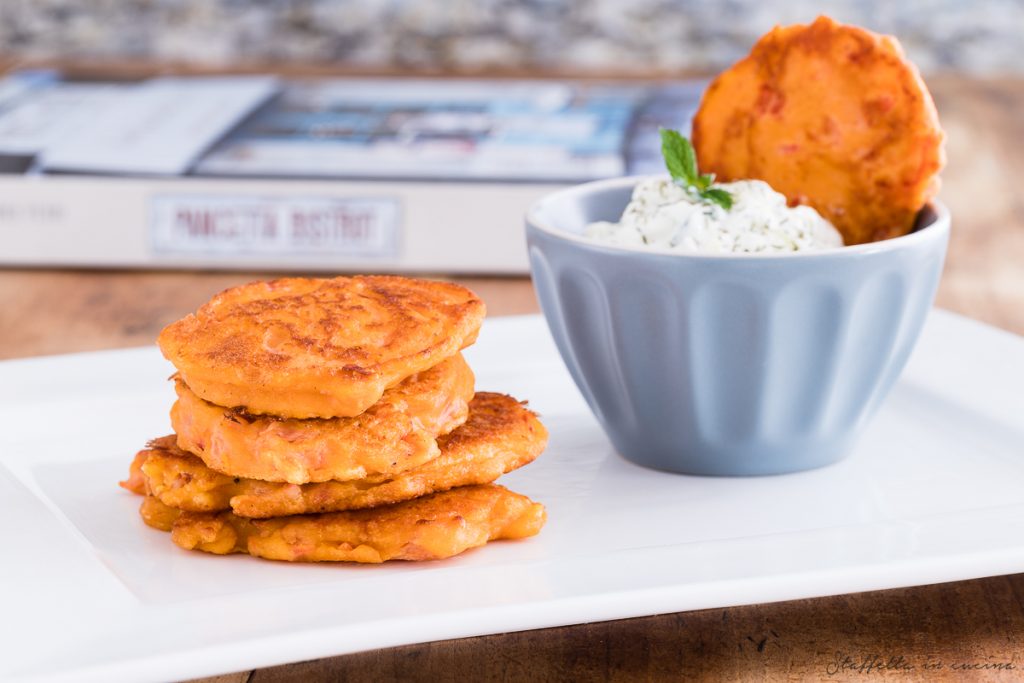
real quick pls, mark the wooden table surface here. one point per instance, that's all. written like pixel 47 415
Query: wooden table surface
pixel 975 623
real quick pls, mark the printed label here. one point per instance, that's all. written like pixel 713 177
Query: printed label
pixel 278 226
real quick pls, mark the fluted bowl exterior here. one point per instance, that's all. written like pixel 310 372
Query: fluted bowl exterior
pixel 734 364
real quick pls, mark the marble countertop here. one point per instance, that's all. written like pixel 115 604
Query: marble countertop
pixel 981 37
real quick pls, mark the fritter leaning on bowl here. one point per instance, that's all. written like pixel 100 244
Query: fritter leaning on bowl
pixel 832 116
pixel 824 136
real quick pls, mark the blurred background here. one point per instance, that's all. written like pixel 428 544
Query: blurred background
pixel 563 36
pixel 100 215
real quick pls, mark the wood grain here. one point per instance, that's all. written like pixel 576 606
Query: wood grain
pixel 969 623
pixel 973 622
pixel 46 311
pixel 984 274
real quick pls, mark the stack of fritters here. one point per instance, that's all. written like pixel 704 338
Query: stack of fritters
pixel 335 420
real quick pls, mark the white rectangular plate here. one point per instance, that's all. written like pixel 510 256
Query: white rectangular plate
pixel 932 493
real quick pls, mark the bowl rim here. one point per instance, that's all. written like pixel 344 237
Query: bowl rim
pixel 932 231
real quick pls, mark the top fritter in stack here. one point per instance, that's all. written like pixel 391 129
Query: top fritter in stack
pixel 335 419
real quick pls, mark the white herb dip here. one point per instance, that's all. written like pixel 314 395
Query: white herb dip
pixel 663 214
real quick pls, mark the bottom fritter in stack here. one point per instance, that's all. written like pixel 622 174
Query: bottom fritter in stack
pixel 410 477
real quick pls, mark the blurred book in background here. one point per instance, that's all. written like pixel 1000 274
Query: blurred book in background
pixel 456 130
pixel 315 175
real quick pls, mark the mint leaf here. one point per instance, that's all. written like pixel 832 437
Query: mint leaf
pixel 681 162
pixel 718 196
pixel 679 157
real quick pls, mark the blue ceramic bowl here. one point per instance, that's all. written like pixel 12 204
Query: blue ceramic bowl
pixel 734 364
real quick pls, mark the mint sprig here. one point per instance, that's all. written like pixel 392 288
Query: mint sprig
pixel 681 162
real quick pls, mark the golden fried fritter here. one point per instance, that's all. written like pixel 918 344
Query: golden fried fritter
pixel 500 435
pixel 302 347
pixel 395 434
pixel 136 481
pixel 832 116
pixel 428 528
